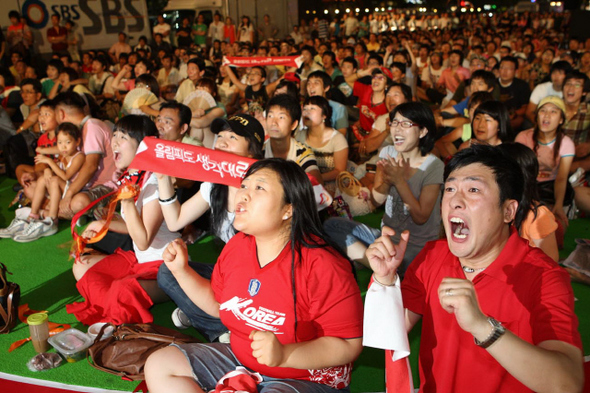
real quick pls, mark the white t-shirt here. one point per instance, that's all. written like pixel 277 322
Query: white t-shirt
pixel 543 90
pixel 149 192
pixel 227 229
pixel 162 29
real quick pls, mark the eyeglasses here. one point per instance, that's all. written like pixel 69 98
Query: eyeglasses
pixel 577 85
pixel 402 124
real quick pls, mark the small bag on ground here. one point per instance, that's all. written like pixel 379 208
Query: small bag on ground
pixel 126 351
pixel 9 301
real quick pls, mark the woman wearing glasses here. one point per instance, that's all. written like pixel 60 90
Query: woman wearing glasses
pixel 408 181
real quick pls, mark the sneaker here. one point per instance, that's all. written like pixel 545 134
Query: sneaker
pixel 224 338
pixel 16 227
pixel 180 319
pixel 35 230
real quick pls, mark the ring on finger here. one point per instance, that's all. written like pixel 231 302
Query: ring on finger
pixel 449 292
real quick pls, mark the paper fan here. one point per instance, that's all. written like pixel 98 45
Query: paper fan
pixel 137 98
pixel 199 99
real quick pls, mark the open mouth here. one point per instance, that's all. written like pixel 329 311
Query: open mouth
pixel 399 140
pixel 459 228
pixel 116 155
pixel 239 209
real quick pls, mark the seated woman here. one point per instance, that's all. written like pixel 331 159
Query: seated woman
pixel 120 288
pixel 539 225
pixel 126 79
pixel 490 125
pixel 446 146
pixel 555 152
pixel 328 145
pixel 241 135
pixel 148 81
pixel 408 181
pixel 202 119
pixel 289 298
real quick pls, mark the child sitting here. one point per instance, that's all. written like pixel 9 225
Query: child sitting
pixel 121 287
pixel 46 144
pixel 56 177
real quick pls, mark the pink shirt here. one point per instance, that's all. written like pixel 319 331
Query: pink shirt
pixel 547 167
pixel 97 140
pixel 449 81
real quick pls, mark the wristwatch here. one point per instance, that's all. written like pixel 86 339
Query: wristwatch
pixel 498 331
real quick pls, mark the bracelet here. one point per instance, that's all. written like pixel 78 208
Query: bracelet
pixel 168 201
pixel 384 285
pixel 378 197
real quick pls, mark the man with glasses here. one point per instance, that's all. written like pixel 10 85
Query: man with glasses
pixel 575 88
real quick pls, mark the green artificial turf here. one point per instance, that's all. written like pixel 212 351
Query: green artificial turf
pixel 43 271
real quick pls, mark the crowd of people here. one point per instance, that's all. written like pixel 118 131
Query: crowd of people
pixel 470 129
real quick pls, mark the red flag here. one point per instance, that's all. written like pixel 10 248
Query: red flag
pixel 289 61
pixel 190 162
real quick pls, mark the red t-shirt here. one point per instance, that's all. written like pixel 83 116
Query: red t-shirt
pixel 250 297
pixel 367 111
pixel 60 32
pixel 523 288
pixel 44 140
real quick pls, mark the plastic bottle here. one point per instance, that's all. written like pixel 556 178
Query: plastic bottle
pixel 39 329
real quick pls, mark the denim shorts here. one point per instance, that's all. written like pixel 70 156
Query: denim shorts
pixel 210 362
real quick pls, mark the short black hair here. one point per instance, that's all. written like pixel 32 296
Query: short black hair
pixel 421 114
pixel 406 90
pixel 69 129
pixel 57 64
pixel 510 59
pixel 327 81
pixel 70 100
pixel 375 56
pixel 506 170
pixel 561 65
pixel 198 62
pixel 47 104
pixel 352 61
pixel 479 97
pixel 72 74
pixel 288 103
pixel 185 113
pixel 136 126
pixel 332 56
pixel 151 81
pixel 33 82
pixel 575 74
pixel 488 77
pixel 13 14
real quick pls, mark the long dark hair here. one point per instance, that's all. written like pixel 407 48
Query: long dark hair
pixel 220 192
pixel 306 227
pixel 527 160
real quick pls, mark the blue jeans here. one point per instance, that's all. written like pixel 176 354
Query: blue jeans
pixel 207 325
pixel 210 362
pixel 346 232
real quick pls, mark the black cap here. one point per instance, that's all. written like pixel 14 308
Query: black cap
pixel 243 125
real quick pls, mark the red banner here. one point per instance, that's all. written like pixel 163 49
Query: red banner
pixel 190 162
pixel 290 61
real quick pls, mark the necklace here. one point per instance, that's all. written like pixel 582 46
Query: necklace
pixel 468 269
